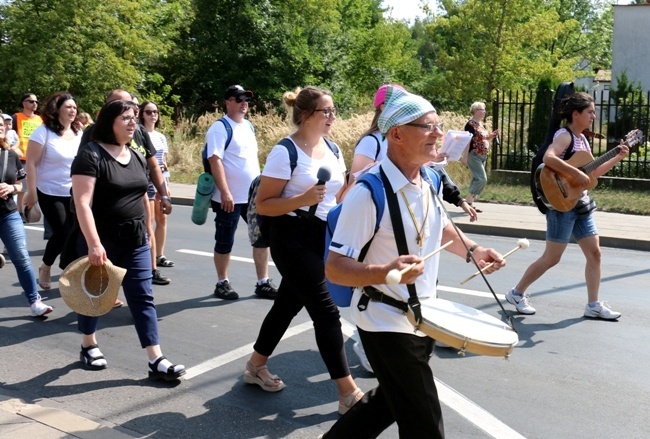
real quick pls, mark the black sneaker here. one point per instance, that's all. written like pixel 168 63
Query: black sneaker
pixel 159 279
pixel 223 290
pixel 266 290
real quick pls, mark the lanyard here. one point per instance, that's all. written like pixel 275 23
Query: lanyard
pixel 419 230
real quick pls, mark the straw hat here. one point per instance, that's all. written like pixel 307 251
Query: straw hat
pixel 90 290
pixel 33 214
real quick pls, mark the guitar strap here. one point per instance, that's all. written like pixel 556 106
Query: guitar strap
pixel 568 152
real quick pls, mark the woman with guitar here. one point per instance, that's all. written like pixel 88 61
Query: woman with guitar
pixel 579 112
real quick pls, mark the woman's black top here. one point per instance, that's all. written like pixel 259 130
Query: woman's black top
pixel 117 204
pixel 15 172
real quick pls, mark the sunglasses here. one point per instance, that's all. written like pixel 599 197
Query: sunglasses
pixel 31 101
pixel 240 99
pixel 150 112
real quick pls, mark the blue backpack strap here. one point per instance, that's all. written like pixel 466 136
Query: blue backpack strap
pixel 204 152
pixel 293 153
pixel 332 146
pixel 376 188
pixel 431 176
pixel 228 128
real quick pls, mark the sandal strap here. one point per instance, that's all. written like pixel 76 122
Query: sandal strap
pixel 154 366
pixel 90 359
pixel 254 370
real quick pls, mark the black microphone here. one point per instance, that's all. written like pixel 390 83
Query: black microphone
pixel 323 175
pixel 497 140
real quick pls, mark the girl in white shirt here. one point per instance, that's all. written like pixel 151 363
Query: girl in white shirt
pixel 297 240
pixel 50 152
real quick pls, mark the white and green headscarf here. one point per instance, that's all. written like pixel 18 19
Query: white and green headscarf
pixel 402 107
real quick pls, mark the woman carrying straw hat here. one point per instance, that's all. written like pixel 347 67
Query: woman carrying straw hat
pixel 109 186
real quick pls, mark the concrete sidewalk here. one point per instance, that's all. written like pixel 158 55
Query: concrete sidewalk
pixel 22 417
pixel 616 230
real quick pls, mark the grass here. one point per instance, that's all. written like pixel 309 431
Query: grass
pixel 187 138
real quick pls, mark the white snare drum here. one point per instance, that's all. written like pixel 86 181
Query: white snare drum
pixel 465 328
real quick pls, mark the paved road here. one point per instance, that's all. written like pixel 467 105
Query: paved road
pixel 571 377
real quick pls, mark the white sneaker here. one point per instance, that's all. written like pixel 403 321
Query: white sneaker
pixel 40 309
pixel 358 349
pixel 602 311
pixel 522 303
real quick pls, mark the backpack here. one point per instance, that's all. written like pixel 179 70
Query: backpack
pixel 204 151
pixel 565 89
pixel 258 225
pixel 342 294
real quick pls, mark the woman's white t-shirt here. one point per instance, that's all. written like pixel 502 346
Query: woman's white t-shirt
pixel 367 146
pixel 53 170
pixel 304 175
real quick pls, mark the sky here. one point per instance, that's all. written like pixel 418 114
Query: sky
pixel 410 9
pixel 406 9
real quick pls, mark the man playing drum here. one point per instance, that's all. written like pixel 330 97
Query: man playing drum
pixel 399 355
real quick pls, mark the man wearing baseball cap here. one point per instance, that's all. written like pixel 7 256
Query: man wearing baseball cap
pixel 232 153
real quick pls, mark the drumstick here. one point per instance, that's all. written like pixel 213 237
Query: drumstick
pixel 394 276
pixel 521 244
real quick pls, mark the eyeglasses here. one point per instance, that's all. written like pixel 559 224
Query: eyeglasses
pixel 328 112
pixel 240 99
pixel 31 101
pixel 431 127
pixel 128 119
pixel 150 112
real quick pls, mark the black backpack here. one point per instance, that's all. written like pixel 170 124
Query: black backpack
pixel 565 89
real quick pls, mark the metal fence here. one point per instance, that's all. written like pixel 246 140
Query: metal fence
pixel 523 118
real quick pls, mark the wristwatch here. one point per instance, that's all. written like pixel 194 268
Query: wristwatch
pixel 468 259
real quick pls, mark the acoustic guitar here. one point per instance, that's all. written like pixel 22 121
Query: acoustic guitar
pixel 560 191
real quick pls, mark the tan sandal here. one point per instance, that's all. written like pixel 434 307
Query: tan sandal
pixel 44 280
pixel 346 402
pixel 272 384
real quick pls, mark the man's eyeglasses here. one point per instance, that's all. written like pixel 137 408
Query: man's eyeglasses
pixel 129 119
pixel 240 99
pixel 31 101
pixel 150 112
pixel 431 127
pixel 328 112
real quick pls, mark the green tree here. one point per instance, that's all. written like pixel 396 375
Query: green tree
pixel 497 44
pixel 271 46
pixel 86 47
pixel 541 114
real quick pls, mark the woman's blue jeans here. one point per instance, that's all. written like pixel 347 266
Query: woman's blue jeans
pixel 137 290
pixel 12 233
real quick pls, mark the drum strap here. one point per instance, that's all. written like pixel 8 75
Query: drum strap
pixel 372 293
pixel 400 239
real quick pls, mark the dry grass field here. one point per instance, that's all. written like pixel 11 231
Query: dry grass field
pixel 187 138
